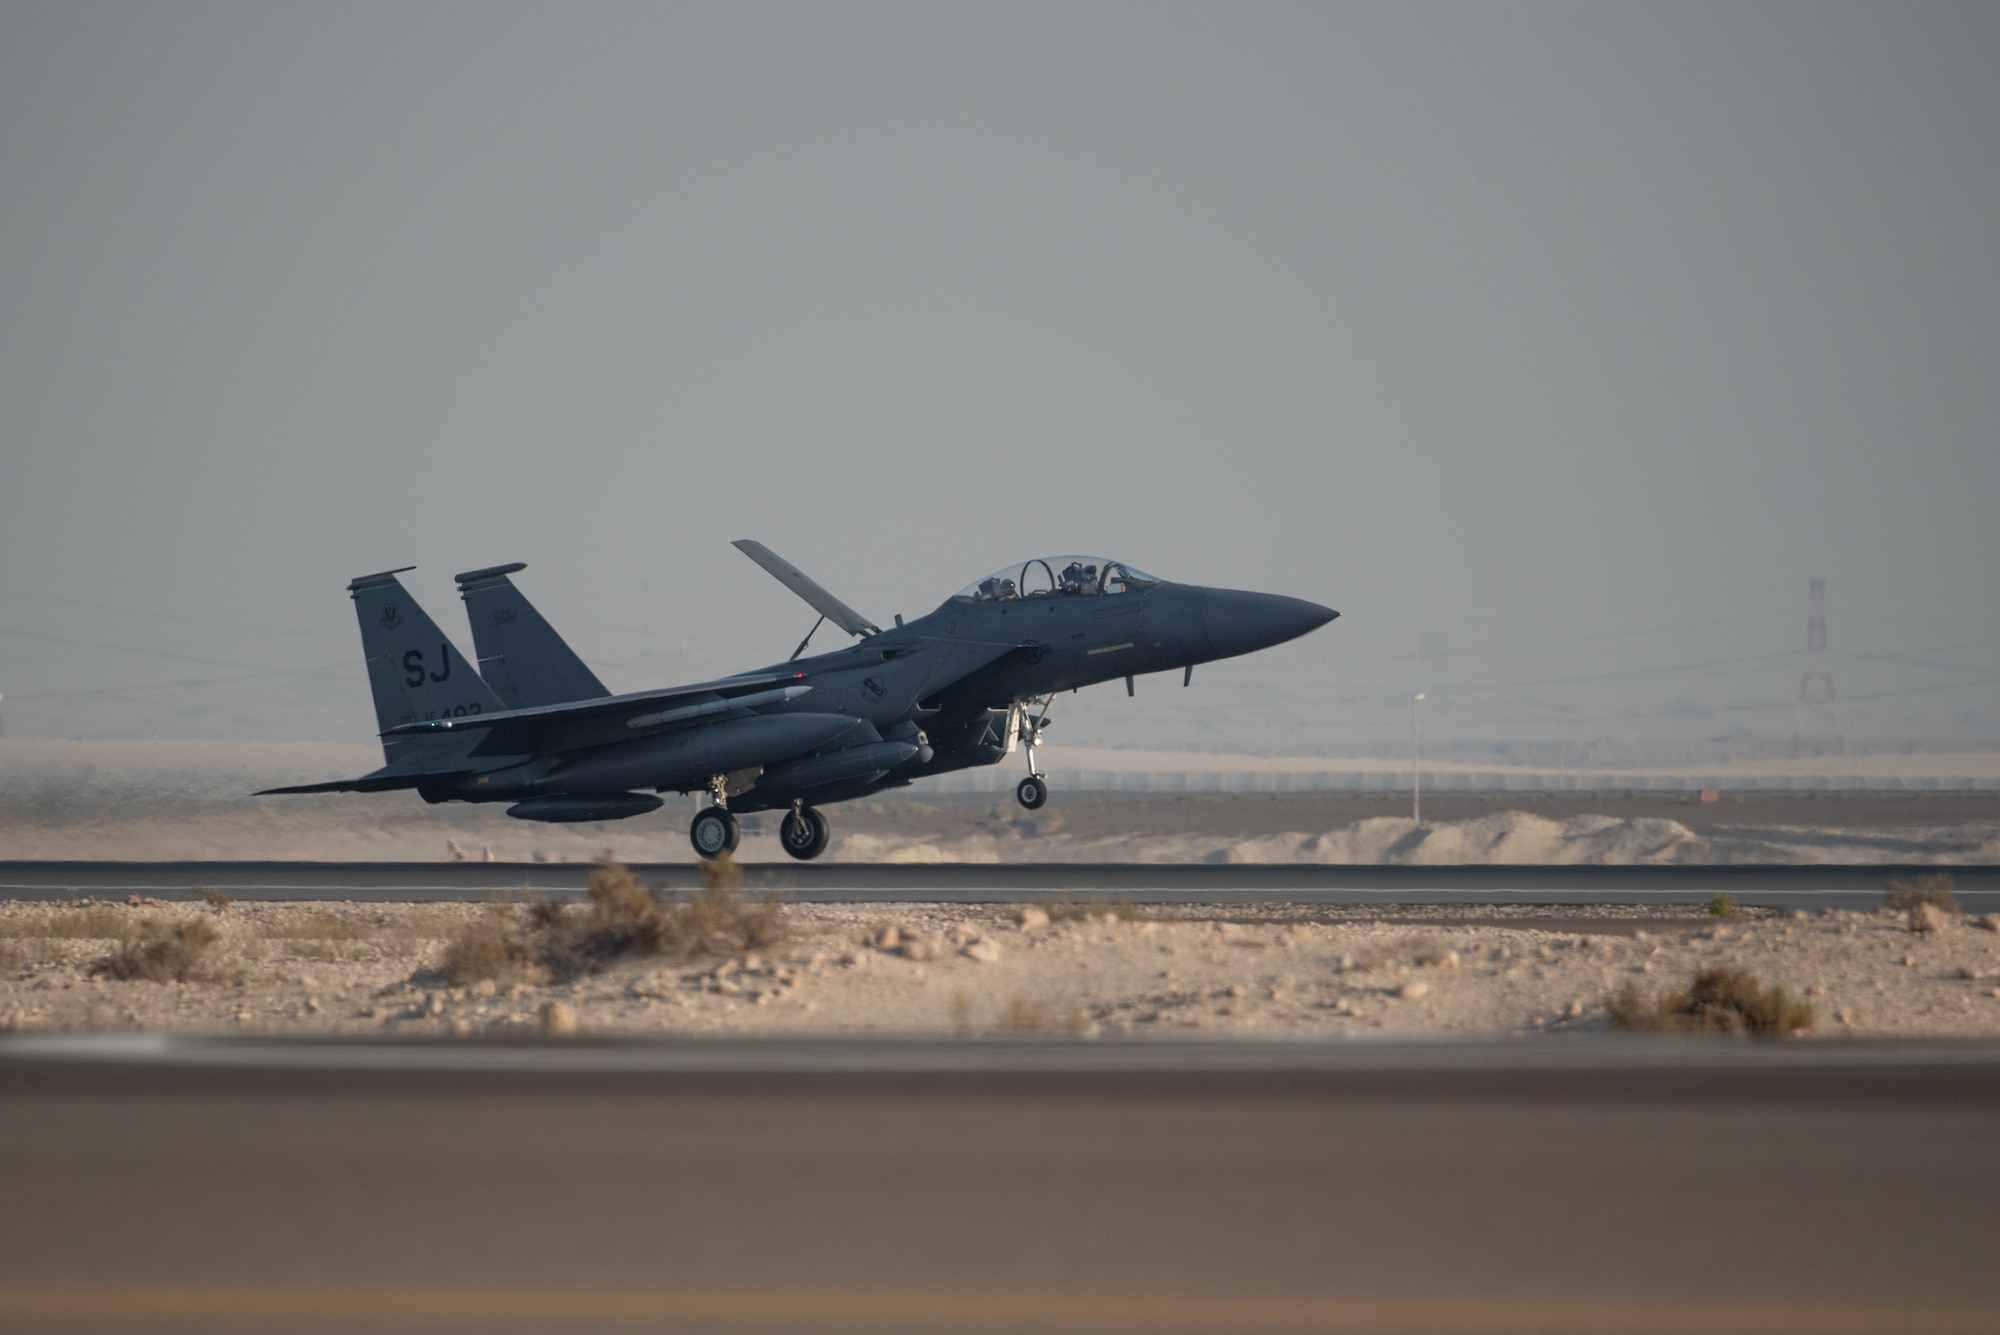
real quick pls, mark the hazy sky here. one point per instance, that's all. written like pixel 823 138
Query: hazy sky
pixel 1556 345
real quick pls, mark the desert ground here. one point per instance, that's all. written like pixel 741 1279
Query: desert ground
pixel 901 969
pixel 1273 970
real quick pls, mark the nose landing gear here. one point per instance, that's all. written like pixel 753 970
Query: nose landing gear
pixel 1032 791
pixel 804 832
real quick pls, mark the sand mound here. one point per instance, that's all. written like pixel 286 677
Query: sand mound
pixel 1505 838
pixel 873 848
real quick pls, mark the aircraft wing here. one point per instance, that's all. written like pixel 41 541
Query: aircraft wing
pixel 816 597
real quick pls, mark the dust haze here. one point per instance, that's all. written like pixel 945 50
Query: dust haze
pixel 1556 346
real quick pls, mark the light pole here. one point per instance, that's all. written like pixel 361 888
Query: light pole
pixel 1416 782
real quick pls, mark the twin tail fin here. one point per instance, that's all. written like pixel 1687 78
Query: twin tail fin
pixel 520 655
pixel 414 670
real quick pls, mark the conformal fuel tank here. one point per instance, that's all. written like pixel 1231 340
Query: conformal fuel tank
pixel 687 758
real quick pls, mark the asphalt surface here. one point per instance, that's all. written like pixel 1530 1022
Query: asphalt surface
pixel 164 1184
pixel 1810 887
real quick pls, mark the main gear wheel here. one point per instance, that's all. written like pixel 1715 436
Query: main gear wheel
pixel 804 833
pixel 714 833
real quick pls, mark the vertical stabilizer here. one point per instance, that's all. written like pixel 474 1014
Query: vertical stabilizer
pixel 520 655
pixel 414 671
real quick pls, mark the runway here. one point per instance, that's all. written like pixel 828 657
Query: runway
pixel 997 1186
pixel 1807 887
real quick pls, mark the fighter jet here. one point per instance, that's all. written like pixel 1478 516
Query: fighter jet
pixel 965 685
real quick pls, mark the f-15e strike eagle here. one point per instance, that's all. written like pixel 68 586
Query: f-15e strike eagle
pixel 533 726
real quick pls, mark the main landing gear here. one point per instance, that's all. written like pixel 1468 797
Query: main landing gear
pixel 1032 791
pixel 714 832
pixel 803 832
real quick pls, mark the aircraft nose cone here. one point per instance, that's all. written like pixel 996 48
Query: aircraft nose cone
pixel 1241 623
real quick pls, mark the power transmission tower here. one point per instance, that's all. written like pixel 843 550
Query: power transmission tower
pixel 1816 729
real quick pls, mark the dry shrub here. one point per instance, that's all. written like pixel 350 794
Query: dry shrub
pixel 11 956
pixel 490 947
pixel 715 920
pixel 96 922
pixel 317 927
pixel 1719 1001
pixel 329 952
pixel 1023 1016
pixel 624 919
pixel 1935 888
pixel 420 922
pixel 214 898
pixel 326 937
pixel 1928 918
pixel 616 893
pixel 160 953
pixel 89 921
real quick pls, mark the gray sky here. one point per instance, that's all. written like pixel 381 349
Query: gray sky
pixel 1556 346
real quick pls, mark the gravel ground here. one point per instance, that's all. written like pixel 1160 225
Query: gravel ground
pixel 348 968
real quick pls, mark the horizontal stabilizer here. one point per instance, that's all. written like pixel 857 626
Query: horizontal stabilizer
pixel 367 783
pixel 817 598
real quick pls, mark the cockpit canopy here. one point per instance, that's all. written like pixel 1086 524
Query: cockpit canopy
pixel 1059 577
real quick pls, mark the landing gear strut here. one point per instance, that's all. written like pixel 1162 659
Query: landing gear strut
pixel 803 832
pixel 1032 791
pixel 714 831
